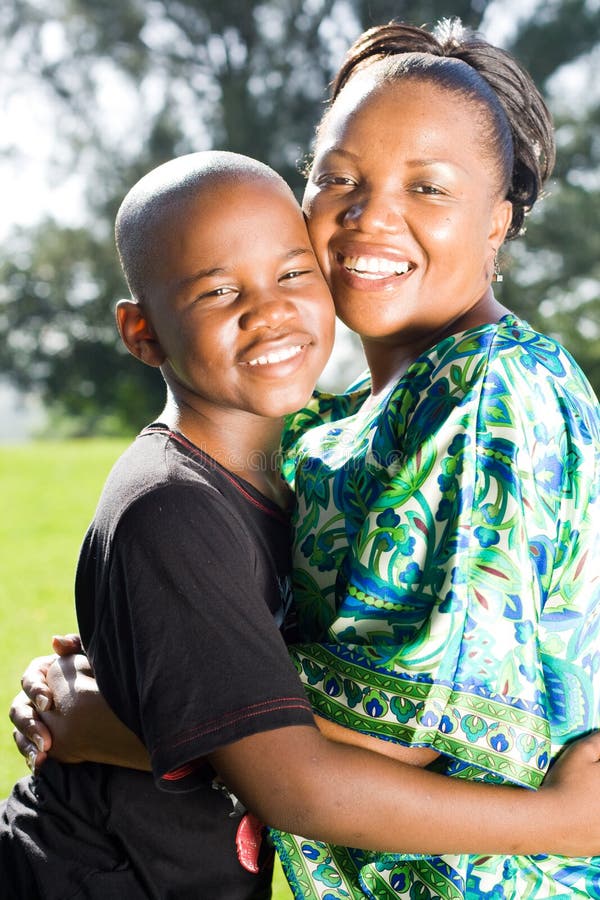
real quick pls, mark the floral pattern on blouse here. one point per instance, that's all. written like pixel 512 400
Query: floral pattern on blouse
pixel 447 579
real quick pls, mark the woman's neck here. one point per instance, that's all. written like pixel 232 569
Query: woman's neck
pixel 389 358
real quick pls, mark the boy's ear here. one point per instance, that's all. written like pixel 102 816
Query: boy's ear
pixel 137 333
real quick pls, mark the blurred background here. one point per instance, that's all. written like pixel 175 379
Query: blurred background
pixel 94 93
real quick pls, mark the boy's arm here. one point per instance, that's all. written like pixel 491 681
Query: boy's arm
pixel 297 780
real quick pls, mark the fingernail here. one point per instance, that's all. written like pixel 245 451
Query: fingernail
pixel 38 740
pixel 32 759
pixel 42 702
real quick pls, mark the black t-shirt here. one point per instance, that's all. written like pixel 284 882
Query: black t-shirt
pixel 182 584
pixel 183 578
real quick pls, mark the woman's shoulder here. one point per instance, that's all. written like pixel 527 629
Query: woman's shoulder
pixel 506 364
pixel 538 362
pixel 510 345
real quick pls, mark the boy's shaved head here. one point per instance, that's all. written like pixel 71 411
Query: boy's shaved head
pixel 151 205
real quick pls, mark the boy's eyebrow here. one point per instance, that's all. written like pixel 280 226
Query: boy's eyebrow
pixel 219 270
pixel 298 251
pixel 202 273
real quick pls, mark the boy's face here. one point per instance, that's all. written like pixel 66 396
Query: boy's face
pixel 238 302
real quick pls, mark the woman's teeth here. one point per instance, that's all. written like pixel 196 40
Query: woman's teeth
pixel 375 267
pixel 276 356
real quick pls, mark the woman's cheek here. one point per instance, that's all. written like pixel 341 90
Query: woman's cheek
pixel 319 238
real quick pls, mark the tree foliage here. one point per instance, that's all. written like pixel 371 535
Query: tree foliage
pixel 132 84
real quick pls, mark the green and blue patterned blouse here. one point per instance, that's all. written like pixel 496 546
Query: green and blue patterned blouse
pixel 447 555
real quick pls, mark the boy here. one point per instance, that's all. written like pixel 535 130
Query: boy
pixel 232 307
pixel 183 578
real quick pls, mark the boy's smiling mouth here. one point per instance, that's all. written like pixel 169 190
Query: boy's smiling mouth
pixel 275 349
pixel 276 356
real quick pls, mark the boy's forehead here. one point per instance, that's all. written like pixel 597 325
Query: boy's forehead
pixel 237 189
pixel 213 226
pixel 231 199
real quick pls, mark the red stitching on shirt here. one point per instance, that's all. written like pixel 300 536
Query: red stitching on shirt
pixel 187 768
pixel 256 709
pixel 261 704
pixel 181 772
pixel 174 435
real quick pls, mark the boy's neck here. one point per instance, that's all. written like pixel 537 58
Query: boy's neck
pixel 246 445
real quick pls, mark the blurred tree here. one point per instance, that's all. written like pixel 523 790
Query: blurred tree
pixel 133 84
pixel 553 275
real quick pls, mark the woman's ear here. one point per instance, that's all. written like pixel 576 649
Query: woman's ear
pixel 501 219
pixel 137 333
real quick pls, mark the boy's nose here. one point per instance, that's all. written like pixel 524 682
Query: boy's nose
pixel 267 311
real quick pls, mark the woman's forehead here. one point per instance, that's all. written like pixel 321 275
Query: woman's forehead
pixel 382 108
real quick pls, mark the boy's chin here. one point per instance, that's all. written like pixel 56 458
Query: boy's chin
pixel 286 407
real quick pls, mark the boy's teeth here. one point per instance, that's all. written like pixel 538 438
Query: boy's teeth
pixel 276 356
pixel 375 266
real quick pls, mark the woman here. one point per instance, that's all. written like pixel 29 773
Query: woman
pixel 445 531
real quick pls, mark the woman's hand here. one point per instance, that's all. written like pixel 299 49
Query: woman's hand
pixel 32 737
pixel 61 713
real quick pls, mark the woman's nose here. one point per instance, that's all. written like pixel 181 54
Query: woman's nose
pixel 374 212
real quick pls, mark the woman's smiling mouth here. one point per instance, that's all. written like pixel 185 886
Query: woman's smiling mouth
pixel 374 266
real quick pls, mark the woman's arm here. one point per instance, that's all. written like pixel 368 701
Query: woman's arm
pixel 74 721
pixel 299 781
pixel 412 756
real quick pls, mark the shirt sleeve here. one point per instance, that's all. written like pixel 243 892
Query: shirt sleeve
pixel 439 637
pixel 186 650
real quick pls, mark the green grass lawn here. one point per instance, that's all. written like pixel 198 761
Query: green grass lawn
pixel 49 492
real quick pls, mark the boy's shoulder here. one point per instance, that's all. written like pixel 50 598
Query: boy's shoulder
pixel 158 462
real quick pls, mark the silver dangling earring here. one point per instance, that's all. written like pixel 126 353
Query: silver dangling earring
pixel 497 276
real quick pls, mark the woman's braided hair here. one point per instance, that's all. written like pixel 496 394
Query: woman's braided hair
pixel 523 135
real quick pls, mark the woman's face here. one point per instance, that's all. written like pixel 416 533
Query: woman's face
pixel 404 211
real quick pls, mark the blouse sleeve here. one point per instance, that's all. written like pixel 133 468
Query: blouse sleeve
pixel 441 636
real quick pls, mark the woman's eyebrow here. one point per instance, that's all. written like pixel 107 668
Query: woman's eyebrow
pixel 338 151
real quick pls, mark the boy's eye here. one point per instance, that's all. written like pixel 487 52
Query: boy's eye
pixel 221 291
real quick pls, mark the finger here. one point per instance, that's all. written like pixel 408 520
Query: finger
pixel 65 644
pixel 33 757
pixel 38 693
pixel 34 681
pixel 28 724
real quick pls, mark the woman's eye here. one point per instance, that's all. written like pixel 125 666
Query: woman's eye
pixel 295 273
pixel 427 189
pixel 345 180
